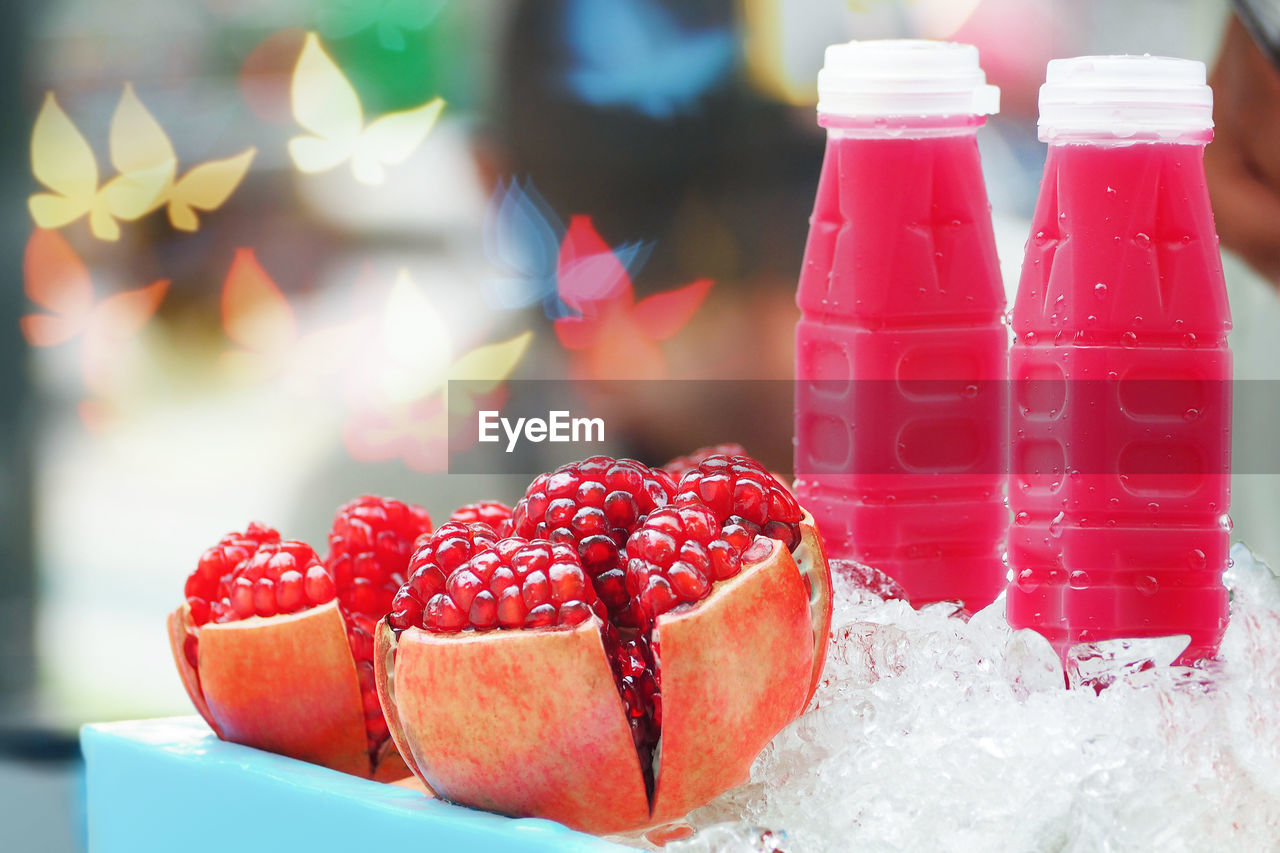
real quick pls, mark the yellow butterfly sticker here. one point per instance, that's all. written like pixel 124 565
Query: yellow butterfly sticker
pixel 325 104
pixel 141 153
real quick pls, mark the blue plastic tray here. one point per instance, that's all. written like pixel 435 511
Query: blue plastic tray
pixel 170 784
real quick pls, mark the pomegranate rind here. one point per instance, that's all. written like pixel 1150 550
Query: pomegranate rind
pixel 384 649
pixel 178 623
pixel 287 684
pixel 523 723
pixel 811 558
pixel 735 670
pixel 389 765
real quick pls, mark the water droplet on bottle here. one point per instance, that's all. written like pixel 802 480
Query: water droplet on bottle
pixel 1191 415
pixel 1091 320
pixel 1154 506
pixel 1129 339
pixel 1055 525
pixel 1100 290
pixel 1146 584
pixel 1022 518
pixel 969 392
pixel 1111 190
pixel 1027 581
pixel 1029 339
pixel 1189 339
pixel 1196 559
pixel 1224 522
pixel 1137 319
pixel 1079 580
pixel 1142 240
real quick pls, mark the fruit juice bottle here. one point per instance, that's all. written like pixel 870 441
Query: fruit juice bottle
pixel 1120 439
pixel 901 352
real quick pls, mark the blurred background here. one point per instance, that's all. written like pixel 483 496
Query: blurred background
pixel 248 242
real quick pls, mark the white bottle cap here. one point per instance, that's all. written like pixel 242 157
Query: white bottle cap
pixel 904 77
pixel 1125 97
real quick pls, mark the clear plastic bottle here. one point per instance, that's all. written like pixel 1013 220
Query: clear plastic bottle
pixel 1120 439
pixel 901 352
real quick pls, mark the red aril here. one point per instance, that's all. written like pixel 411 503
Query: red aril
pixel 493 513
pixel 595 505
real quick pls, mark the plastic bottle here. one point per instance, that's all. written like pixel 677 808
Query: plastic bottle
pixel 1120 440
pixel 901 352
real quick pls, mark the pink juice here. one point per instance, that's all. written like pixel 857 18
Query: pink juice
pixel 1120 442
pixel 901 353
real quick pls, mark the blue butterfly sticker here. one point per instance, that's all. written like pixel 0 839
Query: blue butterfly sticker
pixel 522 240
pixel 633 53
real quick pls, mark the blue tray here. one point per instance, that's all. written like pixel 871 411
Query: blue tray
pixel 170 784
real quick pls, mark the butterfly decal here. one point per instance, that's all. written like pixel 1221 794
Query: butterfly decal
pixel 262 324
pixel 326 105
pixel 635 54
pixel 526 244
pixel 147 168
pixel 410 378
pixel 612 335
pixel 339 19
pixel 57 281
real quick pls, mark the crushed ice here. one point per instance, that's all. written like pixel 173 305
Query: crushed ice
pixel 932 733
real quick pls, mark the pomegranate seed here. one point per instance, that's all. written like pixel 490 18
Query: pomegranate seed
pixel 511 608
pixel 289 594
pixel 242 597
pixel 543 614
pixel 687 581
pixel 496 515
pixel 199 610
pixel 568 582
pixel 462 587
pixel 484 610
pixel 681 464
pixel 442 614
pixel 537 589
pixel 318 585
pixel 574 613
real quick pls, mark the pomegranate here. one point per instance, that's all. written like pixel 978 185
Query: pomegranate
pixel 493 513
pixel 512 682
pixel 275 647
pixel 681 464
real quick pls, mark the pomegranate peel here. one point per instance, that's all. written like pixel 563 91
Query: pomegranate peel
pixel 524 723
pixel 811 559
pixel 722 700
pixel 180 627
pixel 287 684
pixel 384 646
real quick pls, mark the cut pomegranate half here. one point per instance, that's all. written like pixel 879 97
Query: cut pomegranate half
pixel 607 729
pixel 277 653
